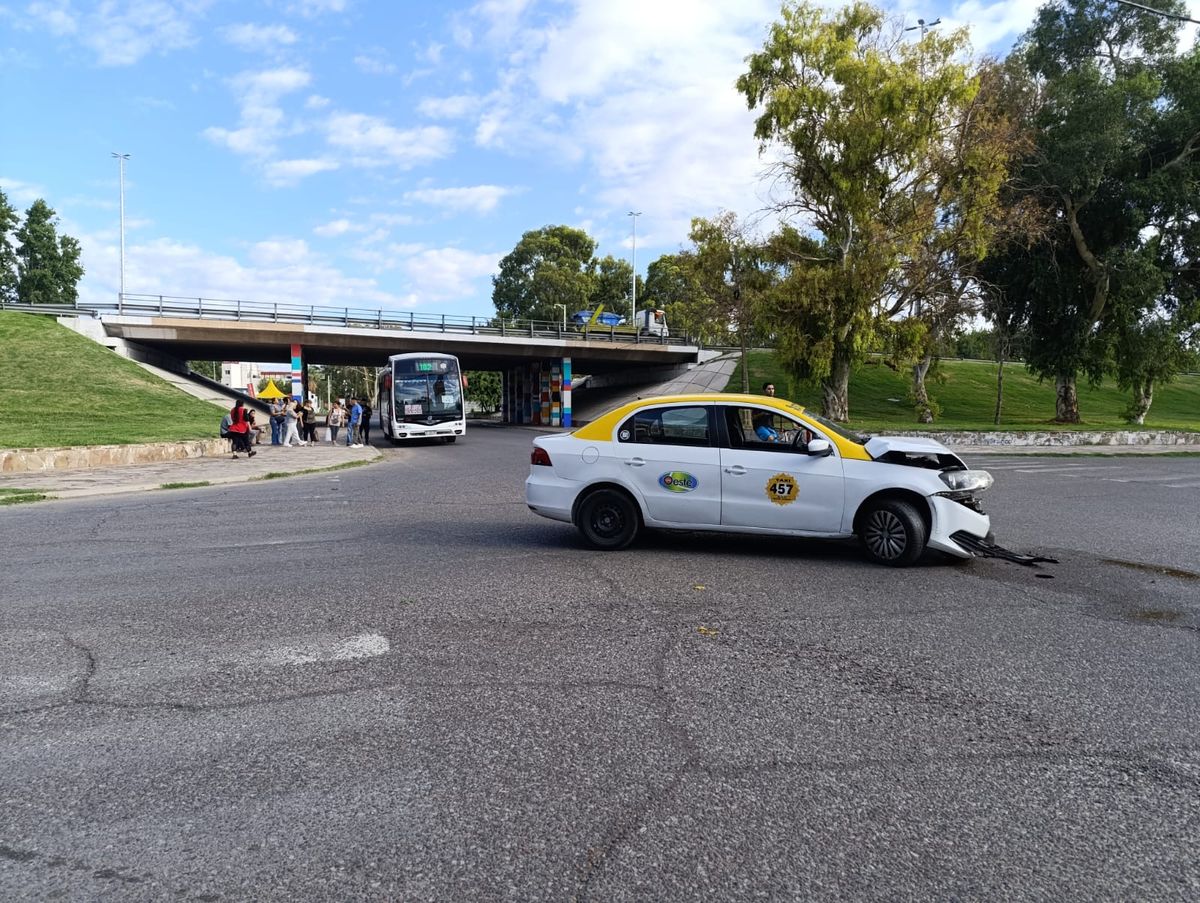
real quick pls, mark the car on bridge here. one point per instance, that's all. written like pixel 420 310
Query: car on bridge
pixel 754 464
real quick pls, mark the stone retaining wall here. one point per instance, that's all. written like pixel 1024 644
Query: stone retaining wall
pixel 1066 438
pixel 35 460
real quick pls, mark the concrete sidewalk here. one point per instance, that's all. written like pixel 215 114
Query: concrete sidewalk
pixel 211 470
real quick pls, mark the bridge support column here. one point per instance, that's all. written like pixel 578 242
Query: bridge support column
pixel 538 393
pixel 566 393
pixel 297 374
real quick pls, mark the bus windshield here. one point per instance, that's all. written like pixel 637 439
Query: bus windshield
pixel 427 389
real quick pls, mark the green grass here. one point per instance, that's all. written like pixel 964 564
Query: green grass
pixel 185 485
pixel 20 496
pixel 966 391
pixel 281 474
pixel 58 388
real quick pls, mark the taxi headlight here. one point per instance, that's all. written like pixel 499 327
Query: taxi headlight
pixel 967 480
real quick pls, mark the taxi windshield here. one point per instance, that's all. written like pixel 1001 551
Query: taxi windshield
pixel 837 428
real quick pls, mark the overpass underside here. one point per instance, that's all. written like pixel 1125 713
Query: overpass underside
pixel 537 369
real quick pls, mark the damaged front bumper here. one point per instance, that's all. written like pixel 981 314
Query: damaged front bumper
pixel 985 548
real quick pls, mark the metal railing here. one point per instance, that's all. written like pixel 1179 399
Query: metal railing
pixel 56 310
pixel 360 318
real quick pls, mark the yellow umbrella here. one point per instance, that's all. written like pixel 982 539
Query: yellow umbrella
pixel 271 391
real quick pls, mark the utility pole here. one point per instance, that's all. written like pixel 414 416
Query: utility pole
pixel 633 215
pixel 121 158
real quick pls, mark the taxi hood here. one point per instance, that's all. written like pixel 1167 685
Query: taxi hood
pixel 916 451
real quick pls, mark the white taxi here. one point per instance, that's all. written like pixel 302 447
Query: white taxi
pixel 754 464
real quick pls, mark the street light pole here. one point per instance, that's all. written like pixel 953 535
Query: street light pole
pixel 924 26
pixel 633 215
pixel 121 158
pixel 564 310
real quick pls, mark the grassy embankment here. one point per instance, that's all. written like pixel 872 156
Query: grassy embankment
pixel 58 388
pixel 966 391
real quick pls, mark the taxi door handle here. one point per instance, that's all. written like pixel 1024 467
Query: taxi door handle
pixel 635 462
pixel 737 470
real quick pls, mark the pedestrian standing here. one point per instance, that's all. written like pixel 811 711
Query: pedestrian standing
pixel 310 422
pixel 277 419
pixel 292 418
pixel 364 425
pixel 352 424
pixel 336 419
pixel 769 389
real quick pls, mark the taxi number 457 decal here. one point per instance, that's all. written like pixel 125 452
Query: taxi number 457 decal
pixel 782 489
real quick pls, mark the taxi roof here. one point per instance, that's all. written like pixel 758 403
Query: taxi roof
pixel 602 426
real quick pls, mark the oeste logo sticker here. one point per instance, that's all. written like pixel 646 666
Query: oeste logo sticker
pixel 678 481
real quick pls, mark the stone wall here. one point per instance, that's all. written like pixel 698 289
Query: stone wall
pixel 37 460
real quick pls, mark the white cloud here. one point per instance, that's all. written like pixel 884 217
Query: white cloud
pixel 282 270
pixel 642 95
pixel 478 198
pixel 375 62
pixel 261 120
pixel 337 227
pixel 311 8
pixel 443 274
pixel 454 107
pixel 248 36
pixel 121 33
pixel 21 194
pixel 279 252
pixel 372 142
pixel 289 172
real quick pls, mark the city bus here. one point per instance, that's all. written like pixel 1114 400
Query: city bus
pixel 420 396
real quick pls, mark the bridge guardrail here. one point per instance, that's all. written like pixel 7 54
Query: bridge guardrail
pixel 360 318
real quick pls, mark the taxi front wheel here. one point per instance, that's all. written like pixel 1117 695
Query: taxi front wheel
pixel 607 519
pixel 892 532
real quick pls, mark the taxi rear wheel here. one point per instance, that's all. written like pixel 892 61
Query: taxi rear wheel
pixel 892 532
pixel 608 519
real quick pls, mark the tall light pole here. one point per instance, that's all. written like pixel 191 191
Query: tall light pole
pixel 923 26
pixel 633 215
pixel 121 158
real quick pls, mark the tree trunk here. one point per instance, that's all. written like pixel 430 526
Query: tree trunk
pixel 745 363
pixel 836 388
pixel 1066 402
pixel 1143 395
pixel 920 393
pixel 999 389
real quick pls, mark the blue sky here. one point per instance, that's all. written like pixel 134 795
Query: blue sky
pixel 384 154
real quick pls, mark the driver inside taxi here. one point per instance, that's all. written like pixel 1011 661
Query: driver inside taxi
pixel 767 433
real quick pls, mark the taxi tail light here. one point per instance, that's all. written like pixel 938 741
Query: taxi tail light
pixel 540 456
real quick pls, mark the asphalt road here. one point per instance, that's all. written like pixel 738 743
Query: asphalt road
pixel 395 683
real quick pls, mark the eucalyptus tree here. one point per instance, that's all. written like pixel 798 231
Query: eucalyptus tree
pixel 1115 160
pixel 731 268
pixel 858 114
pixel 672 285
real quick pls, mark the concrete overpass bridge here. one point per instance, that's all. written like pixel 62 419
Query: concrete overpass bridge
pixel 536 358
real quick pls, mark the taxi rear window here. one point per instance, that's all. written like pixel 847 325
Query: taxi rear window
pixel 668 426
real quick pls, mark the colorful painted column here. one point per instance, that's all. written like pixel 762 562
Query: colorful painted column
pixel 555 395
pixel 566 393
pixel 543 395
pixel 297 374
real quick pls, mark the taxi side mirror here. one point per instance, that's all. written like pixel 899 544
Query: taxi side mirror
pixel 820 448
